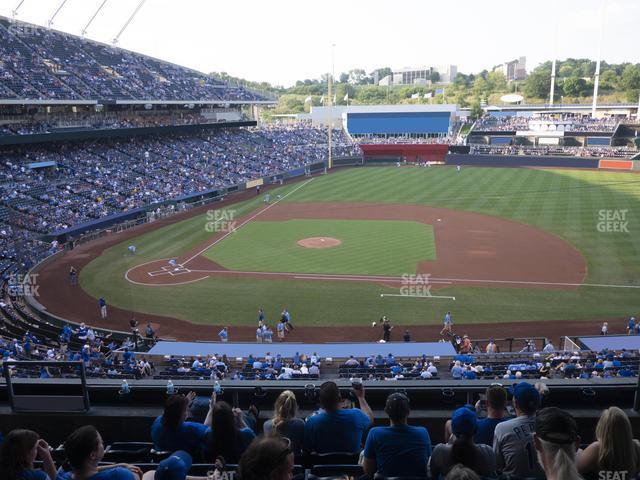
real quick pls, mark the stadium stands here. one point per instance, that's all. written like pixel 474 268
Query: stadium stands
pixel 89 180
pixel 599 152
pixel 546 122
pixel 40 63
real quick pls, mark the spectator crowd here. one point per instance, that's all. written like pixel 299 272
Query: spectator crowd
pixel 80 182
pixel 495 438
pixel 40 63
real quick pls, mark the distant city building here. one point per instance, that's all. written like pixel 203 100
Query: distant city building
pixel 421 76
pixel 513 70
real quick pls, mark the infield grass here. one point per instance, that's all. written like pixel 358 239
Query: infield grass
pixel 368 247
pixel 567 203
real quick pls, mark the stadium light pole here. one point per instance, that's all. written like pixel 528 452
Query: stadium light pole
pixel 50 21
pixel 124 27
pixel 597 75
pixel 14 12
pixel 83 32
pixel 553 65
pixel 330 105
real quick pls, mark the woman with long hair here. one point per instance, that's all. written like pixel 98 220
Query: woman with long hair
pixel 614 450
pixel 267 458
pixel 84 450
pixel 229 436
pixel 171 431
pixel 464 451
pixel 18 452
pixel 284 421
pixel 556 441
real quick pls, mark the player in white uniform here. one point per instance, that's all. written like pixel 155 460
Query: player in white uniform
pixel 513 440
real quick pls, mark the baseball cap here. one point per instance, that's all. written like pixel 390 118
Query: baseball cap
pixel 526 395
pixel 556 426
pixel 175 467
pixel 463 422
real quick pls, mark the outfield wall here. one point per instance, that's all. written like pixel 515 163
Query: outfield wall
pixel 520 161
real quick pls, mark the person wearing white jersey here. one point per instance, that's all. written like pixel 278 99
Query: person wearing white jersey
pixel 513 440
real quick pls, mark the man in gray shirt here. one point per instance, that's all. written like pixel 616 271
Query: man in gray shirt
pixel 513 439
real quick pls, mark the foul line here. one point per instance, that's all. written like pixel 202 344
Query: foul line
pixel 165 284
pixel 416 296
pixel 550 284
pixel 246 221
pixel 432 280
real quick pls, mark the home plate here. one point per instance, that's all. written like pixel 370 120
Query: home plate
pixel 439 219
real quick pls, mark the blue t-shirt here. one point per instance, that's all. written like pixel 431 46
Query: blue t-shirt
pixel 116 473
pixel 189 436
pixel 399 451
pixel 486 428
pixel 340 431
pixel 33 475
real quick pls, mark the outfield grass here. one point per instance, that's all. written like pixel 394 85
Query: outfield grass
pixel 566 203
pixel 368 247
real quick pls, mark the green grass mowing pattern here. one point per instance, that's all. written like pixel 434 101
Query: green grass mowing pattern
pixel 563 202
pixel 368 247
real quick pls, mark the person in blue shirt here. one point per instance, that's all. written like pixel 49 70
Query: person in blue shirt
pixel 171 432
pixel 18 452
pixel 469 374
pixel 127 356
pixel 102 303
pixel 267 335
pixel 496 413
pixel 631 325
pixel 284 421
pixel 337 429
pixel 400 449
pixel 84 450
pixel 223 334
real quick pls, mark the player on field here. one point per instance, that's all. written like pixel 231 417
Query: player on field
pixel 224 334
pixel 386 329
pixel 448 323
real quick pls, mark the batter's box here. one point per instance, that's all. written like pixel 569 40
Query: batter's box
pixel 170 270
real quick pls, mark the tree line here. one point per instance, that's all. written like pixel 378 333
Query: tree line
pixel 574 84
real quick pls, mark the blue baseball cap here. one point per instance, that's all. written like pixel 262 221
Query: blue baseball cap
pixel 174 467
pixel 463 422
pixel 526 395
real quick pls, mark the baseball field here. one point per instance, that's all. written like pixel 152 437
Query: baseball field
pixel 492 245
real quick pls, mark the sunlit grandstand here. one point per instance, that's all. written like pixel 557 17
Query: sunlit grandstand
pixel 204 276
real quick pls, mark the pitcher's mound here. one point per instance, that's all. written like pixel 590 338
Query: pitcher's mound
pixel 319 242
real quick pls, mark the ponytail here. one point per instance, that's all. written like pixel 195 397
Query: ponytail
pixel 464 451
pixel 564 460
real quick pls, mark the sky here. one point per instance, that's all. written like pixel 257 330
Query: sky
pixel 281 41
